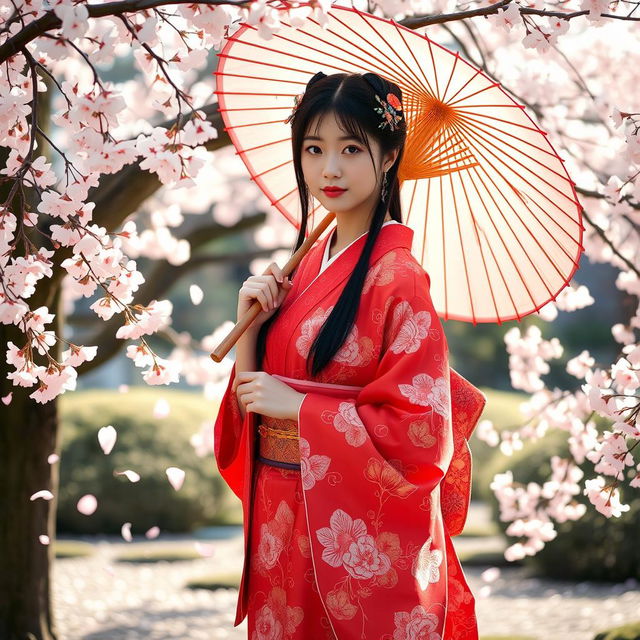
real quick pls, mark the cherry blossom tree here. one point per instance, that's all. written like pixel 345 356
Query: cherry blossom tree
pixel 94 174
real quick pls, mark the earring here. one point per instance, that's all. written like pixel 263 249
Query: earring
pixel 383 195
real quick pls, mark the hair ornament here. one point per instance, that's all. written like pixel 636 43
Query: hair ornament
pixel 297 100
pixel 389 111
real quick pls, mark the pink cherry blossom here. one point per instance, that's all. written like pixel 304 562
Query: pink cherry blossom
pixel 605 500
pixel 105 308
pixel 162 372
pixel 140 355
pixel 76 355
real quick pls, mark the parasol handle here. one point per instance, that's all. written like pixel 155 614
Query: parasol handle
pixel 241 326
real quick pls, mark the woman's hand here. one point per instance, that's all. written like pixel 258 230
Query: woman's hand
pixel 261 393
pixel 271 288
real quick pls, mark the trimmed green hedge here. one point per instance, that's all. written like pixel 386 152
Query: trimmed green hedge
pixel 146 445
pixel 626 632
pixel 592 548
pixel 502 409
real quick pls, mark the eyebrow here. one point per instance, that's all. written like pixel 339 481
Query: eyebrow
pixel 342 138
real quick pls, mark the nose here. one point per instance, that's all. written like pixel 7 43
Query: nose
pixel 331 167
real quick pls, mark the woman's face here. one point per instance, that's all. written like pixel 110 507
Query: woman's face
pixel 330 161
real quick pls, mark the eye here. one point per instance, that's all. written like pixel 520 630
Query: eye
pixel 314 146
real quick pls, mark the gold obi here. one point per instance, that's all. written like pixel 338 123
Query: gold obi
pixel 279 442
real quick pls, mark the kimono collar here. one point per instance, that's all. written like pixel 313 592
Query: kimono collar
pixel 391 236
pixel 310 287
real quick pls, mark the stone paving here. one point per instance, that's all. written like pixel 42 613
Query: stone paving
pixel 95 598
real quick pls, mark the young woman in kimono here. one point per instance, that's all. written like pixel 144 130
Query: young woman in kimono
pixel 336 428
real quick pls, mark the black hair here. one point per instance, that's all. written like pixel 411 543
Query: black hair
pixel 353 100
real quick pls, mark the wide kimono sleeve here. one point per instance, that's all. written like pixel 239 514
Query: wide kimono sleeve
pixel 231 437
pixel 372 467
pixel 467 405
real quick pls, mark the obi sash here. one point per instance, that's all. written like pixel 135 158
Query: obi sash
pixel 279 441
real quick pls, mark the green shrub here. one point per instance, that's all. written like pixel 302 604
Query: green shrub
pixel 152 555
pixel 72 549
pixel 217 581
pixel 626 632
pixel 486 559
pixel 507 638
pixel 502 409
pixel 146 445
pixel 592 548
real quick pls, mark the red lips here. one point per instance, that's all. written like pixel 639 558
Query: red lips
pixel 332 192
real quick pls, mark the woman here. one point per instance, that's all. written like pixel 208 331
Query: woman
pixel 336 428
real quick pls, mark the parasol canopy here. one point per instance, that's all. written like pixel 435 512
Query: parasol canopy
pixel 497 223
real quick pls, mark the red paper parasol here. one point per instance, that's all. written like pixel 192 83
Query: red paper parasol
pixel 496 220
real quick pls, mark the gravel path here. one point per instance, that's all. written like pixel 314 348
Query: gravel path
pixel 96 598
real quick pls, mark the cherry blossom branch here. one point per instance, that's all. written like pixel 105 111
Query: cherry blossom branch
pixel 596 194
pixel 50 21
pixel 165 275
pixel 605 239
pixel 417 22
pixel 180 95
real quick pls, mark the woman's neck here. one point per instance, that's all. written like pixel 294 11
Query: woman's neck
pixel 346 232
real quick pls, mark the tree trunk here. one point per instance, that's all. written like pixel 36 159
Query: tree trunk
pixel 28 436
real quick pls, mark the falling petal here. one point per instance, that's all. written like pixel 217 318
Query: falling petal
pixel 7 399
pixel 205 550
pixel 107 438
pixel 176 477
pixel 53 458
pixel 131 475
pixel 44 539
pixel 491 575
pixel 109 569
pixel 123 388
pixel 161 408
pixel 87 504
pixel 484 591
pixel 152 533
pixel 196 294
pixel 47 495
pixel 126 531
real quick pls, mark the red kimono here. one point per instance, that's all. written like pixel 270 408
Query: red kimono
pixel 356 544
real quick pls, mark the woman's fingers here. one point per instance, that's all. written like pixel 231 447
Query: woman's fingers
pixel 277 272
pixel 260 293
pixel 269 284
pixel 269 288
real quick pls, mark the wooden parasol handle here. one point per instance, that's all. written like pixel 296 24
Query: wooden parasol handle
pixel 241 326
